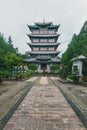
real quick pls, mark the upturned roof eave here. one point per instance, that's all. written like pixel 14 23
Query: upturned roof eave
pixel 43 58
pixel 37 60
pixel 31 60
pixel 81 57
pixel 43 52
pixel 43 44
pixel 55 27
pixel 43 36
pixel 34 27
pixel 43 24
pixel 57 61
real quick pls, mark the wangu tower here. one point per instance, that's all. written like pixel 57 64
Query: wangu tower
pixel 43 45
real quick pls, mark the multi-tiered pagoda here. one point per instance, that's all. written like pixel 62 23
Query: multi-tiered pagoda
pixel 43 45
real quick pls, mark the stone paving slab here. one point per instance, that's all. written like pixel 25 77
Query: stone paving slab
pixel 44 81
pixel 44 108
pixel 31 79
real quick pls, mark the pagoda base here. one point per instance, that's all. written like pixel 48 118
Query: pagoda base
pixel 43 67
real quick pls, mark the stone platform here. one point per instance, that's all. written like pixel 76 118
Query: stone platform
pixel 44 108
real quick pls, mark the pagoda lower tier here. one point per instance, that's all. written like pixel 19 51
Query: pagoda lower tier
pixel 43 62
pixel 42 59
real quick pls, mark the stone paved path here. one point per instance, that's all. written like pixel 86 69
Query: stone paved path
pixel 31 79
pixel 44 108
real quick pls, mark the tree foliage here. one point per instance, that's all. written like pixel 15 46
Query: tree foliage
pixel 8 55
pixel 76 47
pixel 54 68
pixel 32 67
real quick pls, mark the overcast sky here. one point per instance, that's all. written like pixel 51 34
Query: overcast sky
pixel 16 14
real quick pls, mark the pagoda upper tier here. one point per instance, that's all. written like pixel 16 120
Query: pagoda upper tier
pixel 48 25
pixel 43 24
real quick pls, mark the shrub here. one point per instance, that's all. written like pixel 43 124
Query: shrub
pixel 73 77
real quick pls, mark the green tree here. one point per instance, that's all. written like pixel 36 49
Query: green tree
pixel 76 47
pixel 8 56
pixel 54 68
pixel 32 67
pixel 13 59
pixel 9 40
pixel 14 62
pixel 84 68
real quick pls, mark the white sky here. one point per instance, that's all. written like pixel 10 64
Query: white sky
pixel 16 14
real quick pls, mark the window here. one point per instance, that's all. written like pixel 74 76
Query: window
pixel 51 49
pixel 51 31
pixel 36 32
pixel 35 49
pixel 43 31
pixel 43 49
pixel 43 40
pixel 35 40
pixel 51 40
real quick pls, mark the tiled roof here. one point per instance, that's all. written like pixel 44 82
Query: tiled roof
pixel 81 57
pixel 43 44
